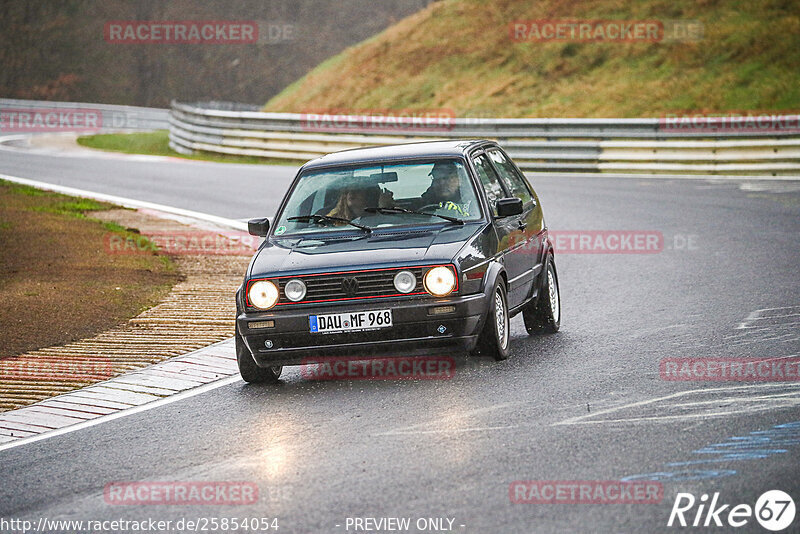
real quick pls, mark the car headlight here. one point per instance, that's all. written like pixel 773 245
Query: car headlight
pixel 263 294
pixel 440 281
pixel 294 290
pixel 405 281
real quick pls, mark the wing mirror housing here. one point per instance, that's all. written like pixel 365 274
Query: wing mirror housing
pixel 506 207
pixel 258 227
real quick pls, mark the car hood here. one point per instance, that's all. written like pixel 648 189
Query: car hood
pixel 319 253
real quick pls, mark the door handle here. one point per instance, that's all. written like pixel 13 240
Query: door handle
pixel 522 225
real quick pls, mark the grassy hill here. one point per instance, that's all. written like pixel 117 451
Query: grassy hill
pixel 458 54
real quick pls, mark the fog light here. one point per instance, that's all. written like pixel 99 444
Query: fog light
pixel 261 324
pixel 405 281
pixel 440 310
pixel 294 290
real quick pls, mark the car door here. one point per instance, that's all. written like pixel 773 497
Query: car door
pixel 528 232
pixel 507 228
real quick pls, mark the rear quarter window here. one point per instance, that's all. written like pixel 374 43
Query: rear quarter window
pixel 515 183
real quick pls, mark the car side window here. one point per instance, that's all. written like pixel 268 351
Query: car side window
pixel 510 176
pixel 489 181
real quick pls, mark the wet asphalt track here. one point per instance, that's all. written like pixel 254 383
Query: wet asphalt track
pixel 585 404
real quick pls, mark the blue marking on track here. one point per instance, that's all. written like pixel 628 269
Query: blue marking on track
pixel 754 446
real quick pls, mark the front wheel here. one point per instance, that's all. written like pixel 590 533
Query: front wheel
pixel 251 372
pixel 494 338
pixel 545 316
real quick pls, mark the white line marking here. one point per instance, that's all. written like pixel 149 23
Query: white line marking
pixel 581 419
pixel 775 316
pixel 123 413
pixel 792 311
pixel 731 400
pixel 127 202
pixel 778 308
pixel 138 204
pixel 664 418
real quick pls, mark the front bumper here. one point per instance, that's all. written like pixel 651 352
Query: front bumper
pixel 413 330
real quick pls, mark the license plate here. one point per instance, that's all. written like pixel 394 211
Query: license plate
pixel 350 322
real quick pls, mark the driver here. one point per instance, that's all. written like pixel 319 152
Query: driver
pixel 445 189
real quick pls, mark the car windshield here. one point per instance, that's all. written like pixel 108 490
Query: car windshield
pixel 378 196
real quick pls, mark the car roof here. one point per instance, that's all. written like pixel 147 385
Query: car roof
pixel 423 149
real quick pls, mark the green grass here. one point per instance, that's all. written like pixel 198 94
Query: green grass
pixel 56 257
pixel 26 190
pixel 457 55
pixel 56 202
pixel 115 227
pixel 142 242
pixel 157 144
pixel 77 207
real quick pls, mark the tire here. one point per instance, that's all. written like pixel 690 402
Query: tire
pixel 251 372
pixel 495 336
pixel 545 316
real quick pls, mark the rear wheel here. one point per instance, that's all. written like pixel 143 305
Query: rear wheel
pixel 251 372
pixel 494 338
pixel 545 316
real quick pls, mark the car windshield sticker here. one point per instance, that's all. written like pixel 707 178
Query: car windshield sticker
pixel 279 230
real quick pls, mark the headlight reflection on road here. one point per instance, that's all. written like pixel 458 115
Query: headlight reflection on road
pixel 273 446
pixel 274 460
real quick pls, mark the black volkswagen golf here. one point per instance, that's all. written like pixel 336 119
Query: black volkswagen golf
pixel 397 250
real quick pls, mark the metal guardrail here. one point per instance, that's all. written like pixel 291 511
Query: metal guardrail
pixel 738 146
pixel 111 117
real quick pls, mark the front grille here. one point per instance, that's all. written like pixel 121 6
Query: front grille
pixel 371 283
pixel 376 283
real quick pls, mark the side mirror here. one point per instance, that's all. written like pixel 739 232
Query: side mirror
pixel 259 227
pixel 506 207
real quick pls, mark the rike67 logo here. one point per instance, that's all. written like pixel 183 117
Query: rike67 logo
pixel 774 510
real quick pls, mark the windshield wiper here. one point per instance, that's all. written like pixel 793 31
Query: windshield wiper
pixel 327 218
pixel 373 209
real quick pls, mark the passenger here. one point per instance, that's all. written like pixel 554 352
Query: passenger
pixel 351 204
pixel 353 201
